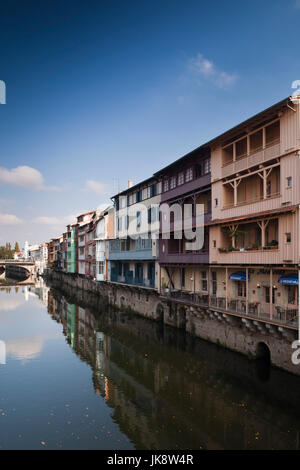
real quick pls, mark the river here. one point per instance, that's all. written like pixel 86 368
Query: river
pixel 78 378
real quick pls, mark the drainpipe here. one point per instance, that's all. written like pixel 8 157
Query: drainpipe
pixel 298 273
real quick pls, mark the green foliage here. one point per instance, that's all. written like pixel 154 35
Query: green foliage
pixel 6 251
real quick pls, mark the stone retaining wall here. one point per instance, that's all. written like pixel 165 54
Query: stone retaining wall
pixel 237 334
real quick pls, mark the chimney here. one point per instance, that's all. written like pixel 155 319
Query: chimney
pixel 129 183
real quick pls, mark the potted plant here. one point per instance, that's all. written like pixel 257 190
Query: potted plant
pixel 165 287
pixel 256 246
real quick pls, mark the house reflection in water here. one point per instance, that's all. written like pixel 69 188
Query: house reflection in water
pixel 169 391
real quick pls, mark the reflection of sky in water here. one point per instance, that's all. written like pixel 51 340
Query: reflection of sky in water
pixel 23 326
pixel 128 383
pixel 47 397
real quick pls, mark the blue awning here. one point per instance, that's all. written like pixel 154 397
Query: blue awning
pixel 289 279
pixel 239 276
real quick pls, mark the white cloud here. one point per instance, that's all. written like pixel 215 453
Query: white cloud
pixel 96 186
pixel 200 67
pixel 24 177
pixel 55 221
pixel 9 219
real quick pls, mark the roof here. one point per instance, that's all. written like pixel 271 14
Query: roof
pixel 133 188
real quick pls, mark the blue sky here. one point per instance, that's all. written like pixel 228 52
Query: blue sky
pixel 99 92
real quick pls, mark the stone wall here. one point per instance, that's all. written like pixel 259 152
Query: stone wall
pixel 237 334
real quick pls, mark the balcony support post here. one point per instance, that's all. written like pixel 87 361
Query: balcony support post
pixel 271 293
pixel 247 294
pixel 208 287
pixel 226 287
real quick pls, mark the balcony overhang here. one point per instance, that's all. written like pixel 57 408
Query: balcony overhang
pixel 255 215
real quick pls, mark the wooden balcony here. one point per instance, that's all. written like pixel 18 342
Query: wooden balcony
pixel 261 156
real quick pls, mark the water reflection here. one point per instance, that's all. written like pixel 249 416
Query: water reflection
pixel 167 390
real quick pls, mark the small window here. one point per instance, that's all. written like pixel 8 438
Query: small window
pixel 180 178
pixel 153 190
pixel 288 237
pixel 138 219
pixel 182 277
pixel 166 185
pixel 214 243
pixel 216 202
pixel 206 166
pixel 241 288
pixel 101 267
pixel 289 181
pixel 198 171
pixel 173 182
pixel 204 280
pixel 189 175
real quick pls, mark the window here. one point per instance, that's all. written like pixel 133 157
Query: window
pixel 289 181
pixel 189 175
pixel 288 237
pixel 153 190
pixel 101 267
pixel 138 219
pixel 214 244
pixel 119 223
pixel 216 202
pixel 206 166
pixel 204 280
pixel 198 171
pixel 126 221
pixel 267 295
pixel 173 182
pixel 149 215
pixel 138 196
pixel 291 294
pixel 241 288
pixel 182 277
pixel 180 178
pixel 166 185
pixel 214 282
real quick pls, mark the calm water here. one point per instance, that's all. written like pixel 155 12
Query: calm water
pixel 78 379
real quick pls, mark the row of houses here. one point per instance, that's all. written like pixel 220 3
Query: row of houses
pixel 241 189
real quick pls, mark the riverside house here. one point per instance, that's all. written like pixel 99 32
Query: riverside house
pixel 254 233
pixel 133 254
pixel 185 182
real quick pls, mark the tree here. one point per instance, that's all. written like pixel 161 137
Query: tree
pixel 17 248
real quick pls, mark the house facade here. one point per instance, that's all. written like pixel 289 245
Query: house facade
pixel 103 231
pixel 186 188
pixel 133 253
pixel 254 232
pixel 72 248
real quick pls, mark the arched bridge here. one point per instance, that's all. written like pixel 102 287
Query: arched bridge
pixel 16 268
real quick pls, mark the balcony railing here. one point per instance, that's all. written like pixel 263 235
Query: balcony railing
pixel 135 281
pixel 251 201
pixel 257 156
pixel 237 306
